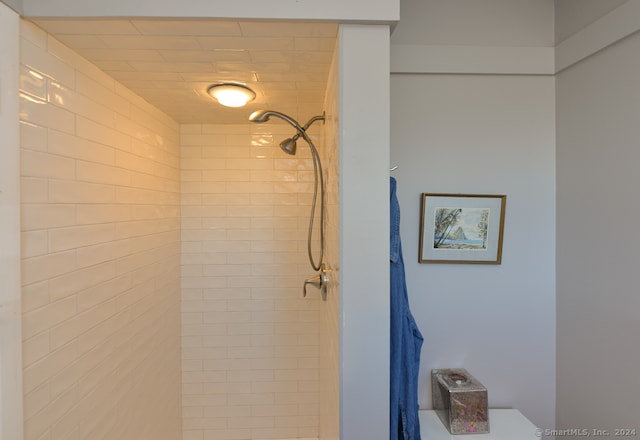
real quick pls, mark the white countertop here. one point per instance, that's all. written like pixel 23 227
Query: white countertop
pixel 504 424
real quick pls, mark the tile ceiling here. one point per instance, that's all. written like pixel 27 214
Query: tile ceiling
pixel 171 63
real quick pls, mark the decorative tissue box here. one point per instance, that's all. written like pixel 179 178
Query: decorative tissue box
pixel 460 401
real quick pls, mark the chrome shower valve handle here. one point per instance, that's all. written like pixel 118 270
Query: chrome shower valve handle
pixel 319 281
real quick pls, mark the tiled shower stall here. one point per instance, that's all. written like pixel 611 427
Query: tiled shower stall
pixel 249 339
pixel 163 265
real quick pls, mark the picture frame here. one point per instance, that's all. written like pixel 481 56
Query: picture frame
pixel 461 228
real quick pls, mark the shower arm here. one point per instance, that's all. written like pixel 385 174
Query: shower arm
pixel 312 120
pixel 300 130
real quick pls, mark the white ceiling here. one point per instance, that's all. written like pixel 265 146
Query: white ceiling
pixel 171 63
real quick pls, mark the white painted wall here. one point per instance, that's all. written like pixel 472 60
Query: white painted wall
pixel 475 23
pixel 572 16
pixel 364 231
pixel 598 103
pixel 471 36
pixel 355 10
pixel 483 135
pixel 10 308
pixel 614 26
pixel 16 5
pixel 489 133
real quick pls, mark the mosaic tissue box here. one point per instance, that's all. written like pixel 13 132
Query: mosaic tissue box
pixel 460 401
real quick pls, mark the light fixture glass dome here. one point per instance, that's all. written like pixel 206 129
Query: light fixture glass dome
pixel 231 95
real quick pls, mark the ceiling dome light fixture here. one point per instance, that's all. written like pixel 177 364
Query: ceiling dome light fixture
pixel 231 94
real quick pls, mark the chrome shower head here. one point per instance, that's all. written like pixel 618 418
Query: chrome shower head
pixel 289 145
pixel 260 116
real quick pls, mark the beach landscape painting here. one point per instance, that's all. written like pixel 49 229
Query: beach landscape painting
pixel 458 228
pixel 461 228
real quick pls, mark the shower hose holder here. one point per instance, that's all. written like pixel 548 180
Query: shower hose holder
pixel 319 281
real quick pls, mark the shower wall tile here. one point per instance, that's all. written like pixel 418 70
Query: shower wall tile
pixel 329 315
pixel 101 253
pixel 250 341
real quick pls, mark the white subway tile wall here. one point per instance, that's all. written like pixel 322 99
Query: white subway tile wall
pixel 329 313
pixel 250 341
pixel 101 253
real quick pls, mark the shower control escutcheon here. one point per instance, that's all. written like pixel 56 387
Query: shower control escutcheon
pixel 319 282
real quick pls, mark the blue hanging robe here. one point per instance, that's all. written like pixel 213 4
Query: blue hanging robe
pixel 406 342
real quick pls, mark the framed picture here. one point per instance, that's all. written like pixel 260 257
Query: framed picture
pixel 461 228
